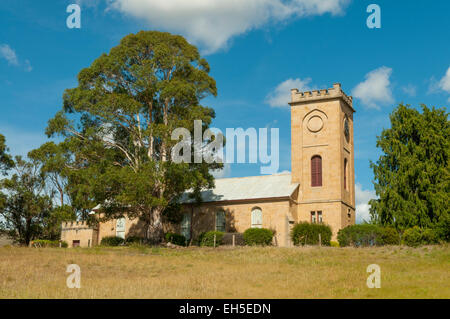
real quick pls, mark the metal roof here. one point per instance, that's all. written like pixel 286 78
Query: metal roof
pixel 253 187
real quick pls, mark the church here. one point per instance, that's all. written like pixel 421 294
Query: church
pixel 319 189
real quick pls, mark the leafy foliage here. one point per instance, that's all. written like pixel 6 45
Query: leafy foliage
pixel 207 238
pixel 360 235
pixel 412 176
pixel 25 208
pixel 417 236
pixel 6 161
pixel 176 239
pixel 112 241
pixel 305 233
pixel 258 236
pixel 117 124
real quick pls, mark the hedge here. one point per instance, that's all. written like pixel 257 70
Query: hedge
pixel 50 243
pixel 176 239
pixel 368 235
pixel 417 236
pixel 207 239
pixel 112 241
pixel 360 236
pixel 258 236
pixel 305 233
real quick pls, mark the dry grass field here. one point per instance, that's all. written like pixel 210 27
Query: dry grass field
pixel 144 272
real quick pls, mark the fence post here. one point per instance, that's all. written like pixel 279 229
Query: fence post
pixel 214 240
pixel 234 239
pixel 320 240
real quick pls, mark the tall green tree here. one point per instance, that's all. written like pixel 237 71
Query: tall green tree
pixel 118 123
pixel 5 159
pixel 25 207
pixel 412 175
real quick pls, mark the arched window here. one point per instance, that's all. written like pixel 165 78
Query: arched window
pixel 220 221
pixel 316 171
pixel 345 174
pixel 256 217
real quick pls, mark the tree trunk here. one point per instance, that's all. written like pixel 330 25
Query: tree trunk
pixel 155 232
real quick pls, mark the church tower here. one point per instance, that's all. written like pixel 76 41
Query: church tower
pixel 323 156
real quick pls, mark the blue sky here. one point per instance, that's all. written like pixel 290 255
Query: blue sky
pixel 253 47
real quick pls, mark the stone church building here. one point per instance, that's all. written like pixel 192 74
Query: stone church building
pixel 319 189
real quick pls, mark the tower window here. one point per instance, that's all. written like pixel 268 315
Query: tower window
pixel 316 171
pixel 345 173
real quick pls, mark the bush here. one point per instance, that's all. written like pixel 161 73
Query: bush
pixel 308 234
pixel 417 236
pixel 390 236
pixel 207 239
pixel 429 236
pixel 49 243
pixel 258 236
pixel 334 244
pixel 112 241
pixel 176 239
pixel 362 235
pixel 413 236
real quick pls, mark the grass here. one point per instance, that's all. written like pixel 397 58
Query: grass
pixel 245 272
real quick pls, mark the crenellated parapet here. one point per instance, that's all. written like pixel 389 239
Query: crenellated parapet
pixel 324 94
pixel 75 225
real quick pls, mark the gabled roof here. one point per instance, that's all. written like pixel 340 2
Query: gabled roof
pixel 242 188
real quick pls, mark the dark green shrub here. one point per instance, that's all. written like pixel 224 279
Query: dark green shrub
pixel 442 229
pixel 176 239
pixel 258 236
pixel 207 239
pixel 361 235
pixel 308 234
pixel 64 244
pixel 413 236
pixel 112 241
pixel 429 236
pixel 390 236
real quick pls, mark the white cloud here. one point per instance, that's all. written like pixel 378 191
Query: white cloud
pixel 375 89
pixel 362 197
pixel 444 83
pixel 281 95
pixel 212 23
pixel 410 89
pixel 7 53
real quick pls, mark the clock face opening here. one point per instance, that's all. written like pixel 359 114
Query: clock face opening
pixel 346 130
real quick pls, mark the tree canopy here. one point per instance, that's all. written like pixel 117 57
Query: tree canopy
pixel 117 124
pixel 412 175
pixel 5 159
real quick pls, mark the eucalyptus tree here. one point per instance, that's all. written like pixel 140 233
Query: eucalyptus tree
pixel 5 159
pixel 118 121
